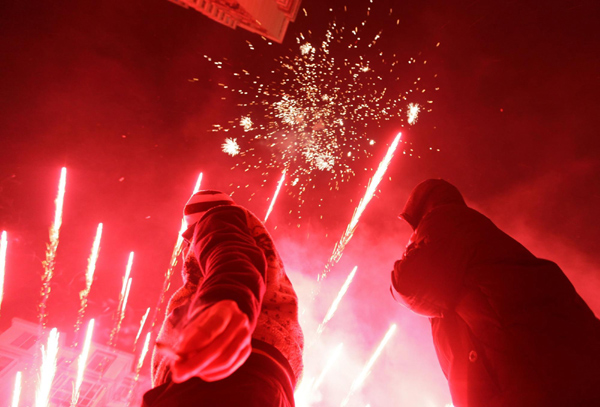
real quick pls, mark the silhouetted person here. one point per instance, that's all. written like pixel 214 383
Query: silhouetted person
pixel 509 328
pixel 231 337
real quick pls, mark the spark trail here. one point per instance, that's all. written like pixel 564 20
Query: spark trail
pixel 142 323
pixel 47 370
pixel 334 306
pixel 51 248
pixel 3 248
pixel 122 300
pixel 371 188
pixel 172 263
pixel 82 362
pixel 89 279
pixel 17 390
pixel 275 196
pixel 358 382
pixel 140 364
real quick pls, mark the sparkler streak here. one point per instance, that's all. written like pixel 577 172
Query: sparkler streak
pixel 82 362
pixel 3 247
pixel 337 300
pixel 122 300
pixel 17 390
pixel 334 356
pixel 47 370
pixel 275 196
pixel 89 278
pixel 371 188
pixel 142 323
pixel 173 262
pixel 140 364
pixel 51 248
pixel 358 382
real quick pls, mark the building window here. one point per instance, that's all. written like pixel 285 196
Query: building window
pixel 25 341
pixel 62 392
pixel 101 361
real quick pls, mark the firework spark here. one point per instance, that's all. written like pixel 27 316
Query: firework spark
pixel 337 300
pixel 122 300
pixel 3 247
pixel 308 387
pixel 198 183
pixel 143 354
pixel 142 323
pixel 334 356
pixel 51 248
pixel 47 370
pixel 89 278
pixel 246 123
pixel 275 196
pixel 174 255
pixel 231 147
pixel 413 113
pixel 358 382
pixel 17 390
pixel 82 362
pixel 371 188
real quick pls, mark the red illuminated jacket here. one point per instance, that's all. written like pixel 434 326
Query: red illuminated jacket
pixel 233 257
pixel 509 328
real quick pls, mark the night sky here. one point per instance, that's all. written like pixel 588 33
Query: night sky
pixel 120 93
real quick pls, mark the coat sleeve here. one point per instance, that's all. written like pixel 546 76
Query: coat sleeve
pixel 233 266
pixel 430 274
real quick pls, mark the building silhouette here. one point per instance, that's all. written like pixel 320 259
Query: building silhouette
pixel 269 18
pixel 109 379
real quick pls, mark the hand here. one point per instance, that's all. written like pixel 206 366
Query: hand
pixel 213 345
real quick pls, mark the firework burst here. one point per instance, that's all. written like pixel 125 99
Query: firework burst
pixel 314 114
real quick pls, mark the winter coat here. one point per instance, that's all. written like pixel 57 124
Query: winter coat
pixel 509 328
pixel 234 257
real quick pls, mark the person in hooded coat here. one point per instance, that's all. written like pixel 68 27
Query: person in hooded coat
pixel 509 328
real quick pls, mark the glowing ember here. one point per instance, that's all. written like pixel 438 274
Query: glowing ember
pixel 82 362
pixel 142 323
pixel 89 277
pixel 413 113
pixel 17 390
pixel 337 300
pixel 3 246
pixel 231 147
pixel 51 247
pixel 358 382
pixel 371 188
pixel 275 196
pixel 47 370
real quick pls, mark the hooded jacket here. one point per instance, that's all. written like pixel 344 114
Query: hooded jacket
pixel 509 328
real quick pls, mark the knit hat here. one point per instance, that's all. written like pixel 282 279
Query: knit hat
pixel 197 206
